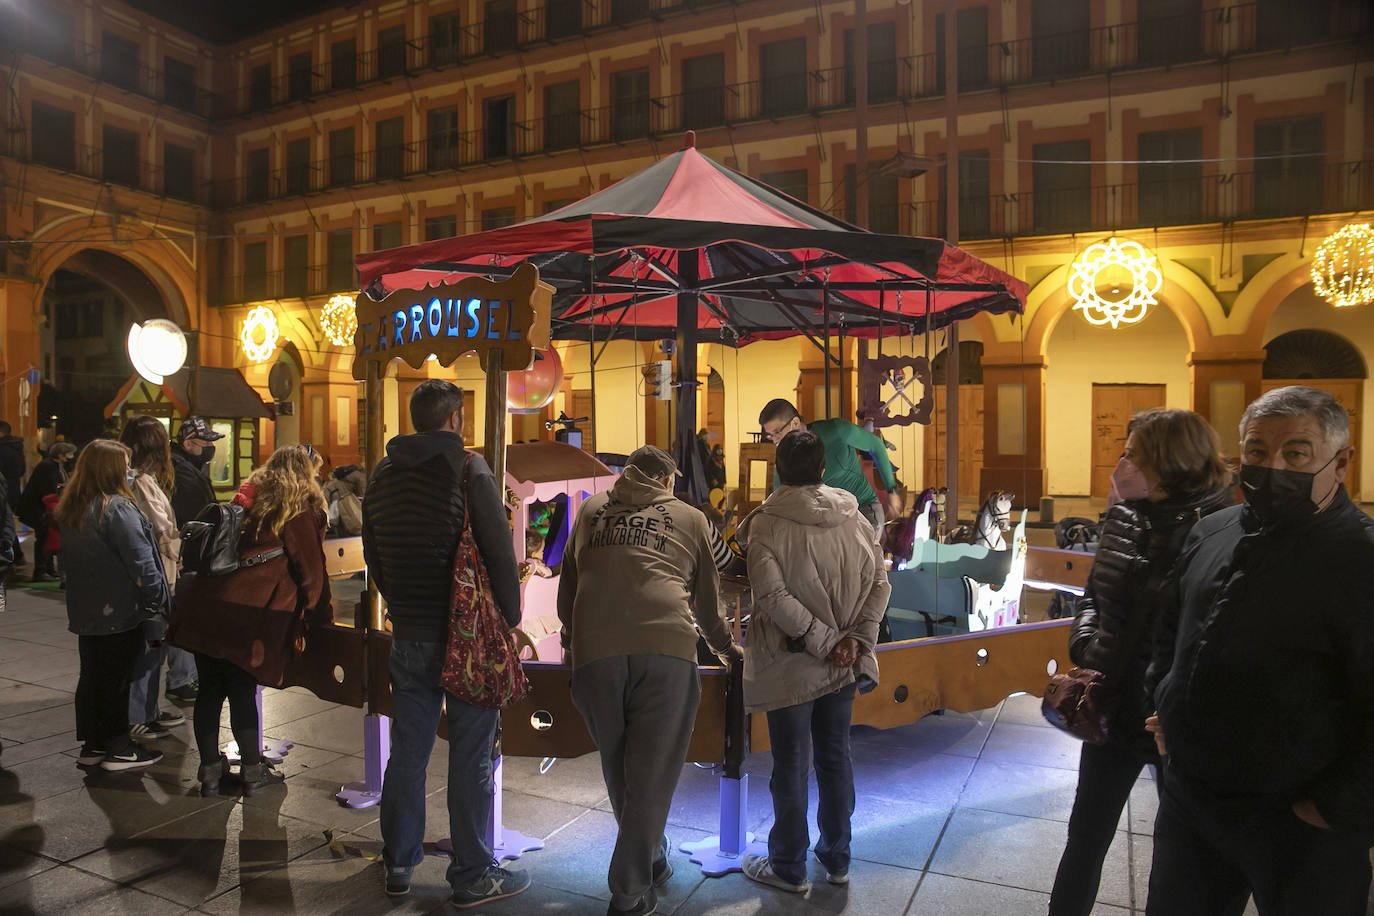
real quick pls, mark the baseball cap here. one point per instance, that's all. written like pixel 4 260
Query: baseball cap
pixel 197 428
pixel 653 461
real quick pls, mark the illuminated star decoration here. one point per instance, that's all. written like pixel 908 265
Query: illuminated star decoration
pixel 1115 282
pixel 1343 267
pixel 339 319
pixel 259 335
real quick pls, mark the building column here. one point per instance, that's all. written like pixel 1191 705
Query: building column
pixel 1223 382
pixel 1014 427
pixel 19 347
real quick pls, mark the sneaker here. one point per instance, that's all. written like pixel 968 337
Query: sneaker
pixel 166 718
pixel 647 905
pixel 136 756
pixel 259 776
pixel 496 884
pixel 662 872
pixel 758 868
pixel 90 756
pixel 186 693
pixel 149 730
pixel 397 882
pixel 837 877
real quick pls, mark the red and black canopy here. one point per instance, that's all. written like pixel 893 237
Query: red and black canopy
pixel 759 263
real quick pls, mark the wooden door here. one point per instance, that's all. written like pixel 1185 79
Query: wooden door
pixel 970 444
pixel 582 407
pixel 1113 407
pixel 1349 392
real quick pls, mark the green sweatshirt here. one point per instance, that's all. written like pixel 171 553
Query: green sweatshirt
pixel 843 470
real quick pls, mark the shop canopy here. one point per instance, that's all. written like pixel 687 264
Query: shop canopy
pixel 755 263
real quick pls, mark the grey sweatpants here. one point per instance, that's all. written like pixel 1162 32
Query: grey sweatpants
pixel 639 710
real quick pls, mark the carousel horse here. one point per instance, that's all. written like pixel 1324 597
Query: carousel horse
pixel 993 518
pixel 899 534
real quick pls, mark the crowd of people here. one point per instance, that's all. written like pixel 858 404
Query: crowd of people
pixel 1233 638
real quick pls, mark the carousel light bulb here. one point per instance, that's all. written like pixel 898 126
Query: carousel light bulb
pixel 1343 267
pixel 259 335
pixel 339 319
pixel 1115 255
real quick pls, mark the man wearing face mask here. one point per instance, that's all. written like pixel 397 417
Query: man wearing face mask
pixel 191 454
pixel 1266 702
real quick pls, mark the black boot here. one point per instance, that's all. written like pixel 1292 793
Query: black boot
pixel 257 776
pixel 210 775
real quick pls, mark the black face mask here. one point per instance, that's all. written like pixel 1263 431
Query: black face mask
pixel 1278 495
pixel 205 455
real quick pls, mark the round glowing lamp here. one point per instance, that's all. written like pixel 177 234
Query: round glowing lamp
pixel 531 390
pixel 1343 267
pixel 1115 282
pixel 259 335
pixel 339 319
pixel 157 348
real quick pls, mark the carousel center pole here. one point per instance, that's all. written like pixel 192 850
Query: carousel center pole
pixel 496 416
pixel 951 236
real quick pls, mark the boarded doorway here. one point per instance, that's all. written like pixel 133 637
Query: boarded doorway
pixel 970 444
pixel 1113 407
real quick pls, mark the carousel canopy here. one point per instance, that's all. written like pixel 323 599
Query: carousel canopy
pixel 759 264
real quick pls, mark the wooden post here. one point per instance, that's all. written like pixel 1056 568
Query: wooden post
pixel 951 236
pixel 496 416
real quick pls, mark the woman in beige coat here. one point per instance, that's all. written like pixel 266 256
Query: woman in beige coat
pixel 819 591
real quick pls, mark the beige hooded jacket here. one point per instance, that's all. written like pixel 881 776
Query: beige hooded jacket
pixel 816 572
pixel 637 572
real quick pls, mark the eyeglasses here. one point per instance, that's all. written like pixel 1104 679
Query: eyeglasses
pixel 309 451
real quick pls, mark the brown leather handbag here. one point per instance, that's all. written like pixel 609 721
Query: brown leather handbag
pixel 1079 703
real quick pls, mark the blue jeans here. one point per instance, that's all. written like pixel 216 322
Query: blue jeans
pixel 416 702
pixel 144 683
pixel 181 667
pixel 791 731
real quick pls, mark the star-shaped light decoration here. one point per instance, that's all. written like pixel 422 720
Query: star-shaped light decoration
pixel 259 335
pixel 1115 282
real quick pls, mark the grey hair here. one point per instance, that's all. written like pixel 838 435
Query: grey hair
pixel 1300 401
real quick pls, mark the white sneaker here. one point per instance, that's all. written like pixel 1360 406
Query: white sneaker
pixel 758 868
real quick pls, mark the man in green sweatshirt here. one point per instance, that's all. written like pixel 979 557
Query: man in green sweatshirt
pixel 637 575
pixel 842 468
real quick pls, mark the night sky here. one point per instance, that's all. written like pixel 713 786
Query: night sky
pixel 224 21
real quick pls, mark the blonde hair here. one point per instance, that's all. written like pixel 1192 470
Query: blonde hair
pixel 283 488
pixel 101 472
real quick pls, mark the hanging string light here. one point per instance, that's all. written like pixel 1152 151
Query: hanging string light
pixel 1115 282
pixel 259 334
pixel 339 319
pixel 1343 267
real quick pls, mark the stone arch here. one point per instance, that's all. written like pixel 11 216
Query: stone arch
pixel 1271 286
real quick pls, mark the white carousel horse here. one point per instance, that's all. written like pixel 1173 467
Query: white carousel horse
pixel 993 518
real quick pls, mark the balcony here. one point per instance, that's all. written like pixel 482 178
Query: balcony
pixel 91 162
pixel 292 283
pixel 148 82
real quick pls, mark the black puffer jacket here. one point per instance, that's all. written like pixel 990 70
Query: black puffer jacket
pixel 193 490
pixel 412 518
pixel 1114 627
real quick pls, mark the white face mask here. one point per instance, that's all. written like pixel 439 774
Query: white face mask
pixel 1129 481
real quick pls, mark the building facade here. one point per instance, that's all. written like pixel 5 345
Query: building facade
pixel 201 180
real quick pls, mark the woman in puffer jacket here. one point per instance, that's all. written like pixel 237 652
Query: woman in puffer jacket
pixel 1170 475
pixel 820 591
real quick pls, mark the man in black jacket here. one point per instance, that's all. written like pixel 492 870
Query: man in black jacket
pixel 1266 705
pixel 12 466
pixel 412 521
pixel 191 454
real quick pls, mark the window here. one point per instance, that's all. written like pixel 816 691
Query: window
pixel 50 33
pixel 441 138
pixel 500 126
pixel 343 64
pixel 499 26
pixel 178 84
pixel 254 271
pixel 883 205
pixel 1169 31
pixel 882 63
pixel 1284 23
pixel 971 33
pixel 564 18
pixel 119 61
pixel 629 10
pixel 120 156
pixel 975 196
pixel 296 265
pixel 53 137
pixel 703 91
pixel 1061 183
pixel 178 171
pixel 390 148
pixel 445 33
pixel 260 87
pixel 441 227
pixel 298 166
pixel 341 161
pixel 386 235
pixel 558 203
pixel 562 115
pixel 258 171
pixel 339 259
pixel 630 104
pixel 298 76
pixel 782 88
pixel 497 217
pixel 792 182
pixel 391 52
pixel 1059 38
pixel 1170 191
pixel 1287 176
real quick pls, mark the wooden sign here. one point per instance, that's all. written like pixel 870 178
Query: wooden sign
pixel 906 405
pixel 475 315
